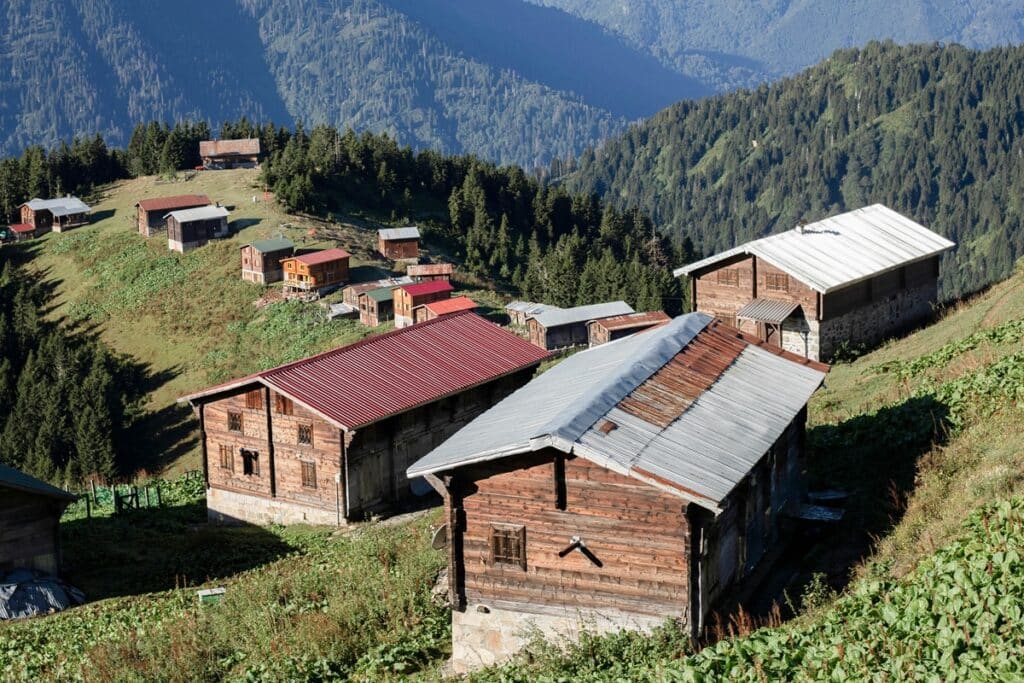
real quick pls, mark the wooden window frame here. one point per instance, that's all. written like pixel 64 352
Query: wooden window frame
pixel 233 418
pixel 776 282
pixel 308 472
pixel 306 427
pixel 250 463
pixel 507 545
pixel 283 405
pixel 254 399
pixel 227 458
pixel 728 277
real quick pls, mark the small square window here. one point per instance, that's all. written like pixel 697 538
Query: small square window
pixel 729 277
pixel 309 475
pixel 234 422
pixel 254 400
pixel 776 282
pixel 250 463
pixel 227 458
pixel 306 435
pixel 283 405
pixel 508 545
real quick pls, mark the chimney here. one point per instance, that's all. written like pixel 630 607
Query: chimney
pixel 800 228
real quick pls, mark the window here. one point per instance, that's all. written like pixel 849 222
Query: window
pixel 309 475
pixel 508 545
pixel 306 435
pixel 254 400
pixel 227 458
pixel 776 282
pixel 283 405
pixel 250 463
pixel 234 422
pixel 730 277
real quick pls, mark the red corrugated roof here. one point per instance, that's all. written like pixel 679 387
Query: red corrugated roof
pixel 445 306
pixel 322 256
pixel 183 201
pixel 624 322
pixel 394 372
pixel 23 227
pixel 434 287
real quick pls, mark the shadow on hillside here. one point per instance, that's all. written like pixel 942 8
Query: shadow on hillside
pixel 368 273
pixel 240 224
pixel 97 216
pixel 158 439
pixel 159 549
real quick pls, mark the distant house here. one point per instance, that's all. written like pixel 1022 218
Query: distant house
pixel 151 214
pixel 189 229
pixel 350 294
pixel 852 279
pixel 316 272
pixel 398 244
pixel 437 309
pixel 30 512
pixel 408 297
pixel 22 231
pixel 609 329
pixel 427 272
pixel 631 483
pixel 261 260
pixel 327 439
pixel 57 215
pixel 225 154
pixel 377 306
pixel 521 311
pixel 562 327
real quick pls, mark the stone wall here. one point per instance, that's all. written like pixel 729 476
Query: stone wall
pixel 231 507
pixel 875 322
pixel 483 635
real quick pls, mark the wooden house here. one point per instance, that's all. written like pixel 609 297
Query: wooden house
pixel 262 260
pixel 151 214
pixel 427 272
pixel 327 439
pixel 853 279
pixel 30 512
pixel 316 272
pixel 350 294
pixel 609 329
pixel 22 231
pixel 436 309
pixel 225 154
pixel 189 229
pixel 408 297
pixel 519 312
pixel 631 483
pixel 57 215
pixel 399 244
pixel 377 306
pixel 558 328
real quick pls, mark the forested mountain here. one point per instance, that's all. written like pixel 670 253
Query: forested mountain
pixel 933 132
pixel 730 43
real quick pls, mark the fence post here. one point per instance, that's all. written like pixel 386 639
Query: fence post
pixel 88 507
pixel 159 503
pixel 92 484
pixel 147 497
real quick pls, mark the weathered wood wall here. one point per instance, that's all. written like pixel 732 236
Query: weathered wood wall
pixel 399 249
pixel 29 531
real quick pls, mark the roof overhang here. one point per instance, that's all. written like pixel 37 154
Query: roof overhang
pixel 767 311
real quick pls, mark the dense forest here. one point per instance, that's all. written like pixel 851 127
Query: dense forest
pixel 933 132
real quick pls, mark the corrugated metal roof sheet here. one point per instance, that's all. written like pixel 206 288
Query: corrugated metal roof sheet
pixel 182 201
pixel 216 148
pixel 424 288
pixel 61 206
pixel 767 310
pixel 323 256
pixel 392 282
pixel 581 314
pixel 841 250
pixel 23 227
pixel 267 246
pixel 394 372
pixel 631 320
pixel 380 294
pixel 408 233
pixel 419 270
pixel 529 308
pixel 201 213
pixel 694 407
pixel 15 479
pixel 446 306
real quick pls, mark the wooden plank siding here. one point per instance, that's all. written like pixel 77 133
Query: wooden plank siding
pixel 29 528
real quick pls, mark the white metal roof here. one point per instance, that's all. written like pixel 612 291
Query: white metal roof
pixel 62 206
pixel 408 233
pixel 553 317
pixel 841 250
pixel 200 213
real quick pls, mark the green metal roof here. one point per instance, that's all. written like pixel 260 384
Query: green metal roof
pixel 13 479
pixel 265 246
pixel 381 294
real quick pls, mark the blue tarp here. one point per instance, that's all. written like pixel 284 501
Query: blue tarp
pixel 29 593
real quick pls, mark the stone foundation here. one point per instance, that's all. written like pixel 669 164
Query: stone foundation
pixel 875 322
pixel 481 638
pixel 229 507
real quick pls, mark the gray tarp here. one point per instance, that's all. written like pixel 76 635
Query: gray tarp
pixel 29 593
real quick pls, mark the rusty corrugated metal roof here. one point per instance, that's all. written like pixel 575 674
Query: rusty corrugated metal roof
pixel 422 269
pixel 631 320
pixel 183 201
pixel 217 148
pixel 394 372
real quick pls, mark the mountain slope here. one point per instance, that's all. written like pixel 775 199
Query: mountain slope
pixel 932 132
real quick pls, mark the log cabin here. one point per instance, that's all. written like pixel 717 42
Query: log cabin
pixel 559 328
pixel 262 260
pixel 377 306
pixel 327 439
pixel 408 297
pixel 520 312
pixel 30 512
pixel 638 481
pixel 151 214
pixel 427 272
pixel 851 281
pixel 317 272
pixel 57 215
pixel 436 309
pixel 226 154
pixel 189 229
pixel 609 329
pixel 399 244
pixel 350 294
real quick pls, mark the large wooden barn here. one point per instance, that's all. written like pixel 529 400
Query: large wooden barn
pixel 605 330
pixel 151 214
pixel 327 439
pixel 225 154
pixel 30 512
pixel 57 215
pixel 190 229
pixel 633 482
pixel 853 279
pixel 399 244
pixel 557 328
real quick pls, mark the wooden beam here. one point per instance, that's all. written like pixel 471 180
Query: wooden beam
pixel 202 439
pixel 270 444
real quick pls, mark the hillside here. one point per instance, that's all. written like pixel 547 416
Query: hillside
pixel 932 132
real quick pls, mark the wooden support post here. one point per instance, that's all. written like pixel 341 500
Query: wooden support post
pixel 202 441
pixel 159 503
pixel 92 484
pixel 270 445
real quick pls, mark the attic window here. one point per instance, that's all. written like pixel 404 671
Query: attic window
pixel 306 434
pixel 776 282
pixel 730 277
pixel 234 422
pixel 508 545
pixel 283 405
pixel 254 400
